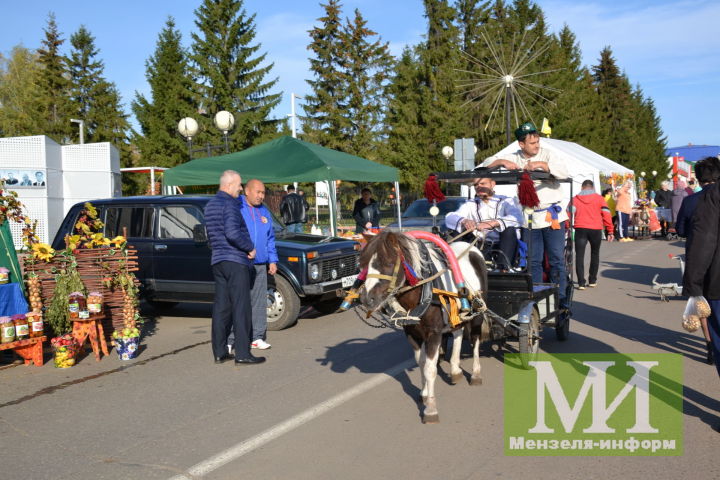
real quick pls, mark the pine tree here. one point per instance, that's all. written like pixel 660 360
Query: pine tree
pixel 230 76
pixel 167 73
pixel 21 110
pixel 54 84
pixel 326 121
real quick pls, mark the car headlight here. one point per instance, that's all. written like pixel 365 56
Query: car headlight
pixel 314 272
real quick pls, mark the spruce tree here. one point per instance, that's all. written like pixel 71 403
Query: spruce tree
pixel 54 84
pixel 170 100
pixel 21 108
pixel 439 54
pixel 94 99
pixel 369 65
pixel 613 88
pixel 326 121
pixel 407 144
pixel 229 74
pixel 577 114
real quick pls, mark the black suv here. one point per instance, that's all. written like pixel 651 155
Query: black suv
pixel 174 256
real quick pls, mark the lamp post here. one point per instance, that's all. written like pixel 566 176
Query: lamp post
pixel 293 118
pixel 188 128
pixel 447 152
pixel 292 114
pixel 225 121
pixel 81 123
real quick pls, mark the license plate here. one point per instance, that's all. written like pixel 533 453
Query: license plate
pixel 348 281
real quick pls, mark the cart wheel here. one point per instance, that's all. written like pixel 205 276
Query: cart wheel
pixel 529 339
pixel 562 325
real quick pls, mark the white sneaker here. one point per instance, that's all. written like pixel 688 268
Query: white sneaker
pixel 260 344
pixel 230 349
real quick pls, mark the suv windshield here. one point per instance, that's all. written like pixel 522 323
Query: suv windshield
pixel 421 208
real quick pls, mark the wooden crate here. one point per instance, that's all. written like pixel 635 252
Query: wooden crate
pixel 93 265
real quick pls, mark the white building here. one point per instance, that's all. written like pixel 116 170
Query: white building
pixel 50 178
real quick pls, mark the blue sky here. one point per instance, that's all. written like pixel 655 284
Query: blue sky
pixel 668 47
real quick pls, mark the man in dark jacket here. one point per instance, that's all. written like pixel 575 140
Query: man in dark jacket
pixel 366 212
pixel 293 209
pixel 702 267
pixel 707 172
pixel 232 255
pixel 663 199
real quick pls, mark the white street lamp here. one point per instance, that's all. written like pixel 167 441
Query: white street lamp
pixel 654 173
pixel 447 152
pixel 188 127
pixel 642 174
pixel 224 121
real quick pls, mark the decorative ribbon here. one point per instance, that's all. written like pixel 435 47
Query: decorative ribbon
pixel 552 215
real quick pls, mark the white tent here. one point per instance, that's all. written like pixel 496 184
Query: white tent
pixel 582 163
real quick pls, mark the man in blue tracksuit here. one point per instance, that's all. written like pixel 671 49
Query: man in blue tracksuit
pixel 232 255
pixel 260 227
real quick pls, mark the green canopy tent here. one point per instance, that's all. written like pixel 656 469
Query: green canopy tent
pixel 285 160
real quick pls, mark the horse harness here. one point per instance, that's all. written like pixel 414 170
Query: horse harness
pixel 433 292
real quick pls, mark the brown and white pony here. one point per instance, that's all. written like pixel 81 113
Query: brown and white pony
pixel 382 257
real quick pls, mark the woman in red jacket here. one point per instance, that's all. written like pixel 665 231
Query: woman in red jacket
pixel 591 213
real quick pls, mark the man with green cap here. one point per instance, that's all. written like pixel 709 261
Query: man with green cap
pixel 547 227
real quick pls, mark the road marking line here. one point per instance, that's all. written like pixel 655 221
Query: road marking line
pixel 233 453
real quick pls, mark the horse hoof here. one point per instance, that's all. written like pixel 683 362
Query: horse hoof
pixel 476 381
pixel 431 418
pixel 455 378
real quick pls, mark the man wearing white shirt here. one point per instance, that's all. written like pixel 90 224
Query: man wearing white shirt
pixel 496 216
pixel 547 227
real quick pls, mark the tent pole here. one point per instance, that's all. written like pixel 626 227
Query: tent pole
pixel 333 206
pixel 397 203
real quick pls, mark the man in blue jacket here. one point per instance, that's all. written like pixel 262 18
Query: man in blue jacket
pixel 232 255
pixel 260 226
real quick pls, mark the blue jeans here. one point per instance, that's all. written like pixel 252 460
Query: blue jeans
pixel 295 227
pixel 552 242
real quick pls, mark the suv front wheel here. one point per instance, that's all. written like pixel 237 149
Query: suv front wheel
pixel 283 305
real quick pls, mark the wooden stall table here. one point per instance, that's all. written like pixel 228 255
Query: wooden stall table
pixel 90 329
pixel 30 349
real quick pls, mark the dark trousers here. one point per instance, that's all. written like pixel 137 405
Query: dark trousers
pixel 582 237
pixel 232 309
pixel 623 224
pixel 713 322
pixel 507 244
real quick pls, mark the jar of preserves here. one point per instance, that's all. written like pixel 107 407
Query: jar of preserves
pixel 7 330
pixel 22 332
pixel 95 302
pixel 76 304
pixel 4 275
pixel 35 323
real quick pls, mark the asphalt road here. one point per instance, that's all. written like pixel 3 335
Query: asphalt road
pixel 336 399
